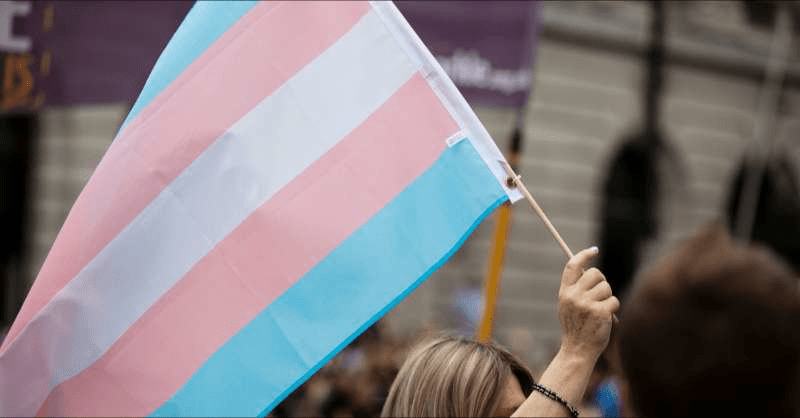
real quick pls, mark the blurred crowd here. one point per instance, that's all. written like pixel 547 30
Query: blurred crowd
pixel 352 384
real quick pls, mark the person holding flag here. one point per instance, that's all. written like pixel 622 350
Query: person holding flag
pixel 451 376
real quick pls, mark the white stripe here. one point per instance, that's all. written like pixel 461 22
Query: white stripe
pixel 240 171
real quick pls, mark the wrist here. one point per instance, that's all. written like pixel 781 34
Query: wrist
pixel 577 357
pixel 567 375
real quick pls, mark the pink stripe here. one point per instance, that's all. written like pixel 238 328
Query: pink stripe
pixel 181 123
pixel 262 258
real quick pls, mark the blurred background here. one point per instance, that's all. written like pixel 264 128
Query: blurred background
pixel 631 123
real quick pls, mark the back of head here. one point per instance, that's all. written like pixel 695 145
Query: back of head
pixel 713 328
pixel 453 377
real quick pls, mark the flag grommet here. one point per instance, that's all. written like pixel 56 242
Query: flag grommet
pixel 511 181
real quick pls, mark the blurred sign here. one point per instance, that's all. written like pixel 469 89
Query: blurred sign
pixel 486 47
pixel 60 53
pixel 80 52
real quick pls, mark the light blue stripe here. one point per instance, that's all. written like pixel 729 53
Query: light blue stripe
pixel 361 280
pixel 205 22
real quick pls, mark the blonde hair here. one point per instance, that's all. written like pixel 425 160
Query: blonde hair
pixel 452 376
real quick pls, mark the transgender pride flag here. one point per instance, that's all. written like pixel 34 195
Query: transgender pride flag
pixel 288 174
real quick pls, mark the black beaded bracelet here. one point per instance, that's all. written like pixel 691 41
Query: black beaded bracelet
pixel 554 396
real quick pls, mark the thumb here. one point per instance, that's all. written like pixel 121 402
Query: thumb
pixel 577 264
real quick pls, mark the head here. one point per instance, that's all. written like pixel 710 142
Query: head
pixel 458 377
pixel 713 327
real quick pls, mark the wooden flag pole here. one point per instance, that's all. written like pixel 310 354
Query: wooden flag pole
pixel 515 180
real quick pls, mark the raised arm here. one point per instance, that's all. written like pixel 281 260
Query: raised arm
pixel 585 310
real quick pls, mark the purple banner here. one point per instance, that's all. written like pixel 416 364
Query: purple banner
pixel 486 47
pixel 80 52
pixel 61 53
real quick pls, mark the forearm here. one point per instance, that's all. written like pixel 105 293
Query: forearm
pixel 585 308
pixel 567 375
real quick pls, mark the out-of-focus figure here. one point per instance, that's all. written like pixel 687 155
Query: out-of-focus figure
pixel 713 328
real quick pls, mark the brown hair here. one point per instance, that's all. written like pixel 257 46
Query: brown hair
pixel 453 377
pixel 713 328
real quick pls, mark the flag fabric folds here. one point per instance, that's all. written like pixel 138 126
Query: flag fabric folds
pixel 290 171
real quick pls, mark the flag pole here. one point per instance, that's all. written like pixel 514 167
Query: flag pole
pixel 498 249
pixel 492 282
pixel 515 179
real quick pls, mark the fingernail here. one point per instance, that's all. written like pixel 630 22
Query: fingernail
pixel 594 249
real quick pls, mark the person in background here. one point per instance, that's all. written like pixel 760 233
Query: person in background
pixel 712 329
pixel 452 376
pixel 601 397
